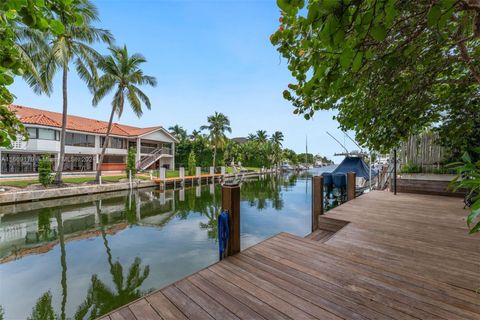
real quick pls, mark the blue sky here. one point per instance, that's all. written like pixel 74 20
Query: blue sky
pixel 207 56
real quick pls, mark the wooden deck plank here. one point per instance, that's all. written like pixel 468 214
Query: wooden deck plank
pixel 143 311
pixel 122 314
pixel 164 307
pixel 247 298
pixel 215 309
pixel 403 291
pixel 229 302
pixel 379 256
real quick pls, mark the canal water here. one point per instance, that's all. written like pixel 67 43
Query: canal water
pixel 80 257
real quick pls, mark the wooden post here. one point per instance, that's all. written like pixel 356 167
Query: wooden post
pixel 231 203
pixel 317 200
pixel 351 185
pixel 395 171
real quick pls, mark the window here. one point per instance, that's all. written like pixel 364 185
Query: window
pixel 32 133
pixel 80 140
pixel 115 143
pixel 44 134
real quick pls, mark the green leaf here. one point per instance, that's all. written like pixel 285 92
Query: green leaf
pixel 378 32
pixel 57 27
pixel 79 21
pixel 346 57
pixel 433 15
pixel 357 61
pixel 329 5
pixel 475 229
pixel 11 14
pixel 466 157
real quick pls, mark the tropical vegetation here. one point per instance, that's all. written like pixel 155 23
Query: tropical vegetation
pixel 257 150
pixel 469 178
pixel 52 52
pixel 389 68
pixel 122 74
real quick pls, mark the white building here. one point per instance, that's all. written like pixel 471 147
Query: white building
pixel 155 146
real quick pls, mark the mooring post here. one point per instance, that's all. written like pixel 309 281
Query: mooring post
pixel 395 171
pixel 351 177
pixel 317 200
pixel 231 204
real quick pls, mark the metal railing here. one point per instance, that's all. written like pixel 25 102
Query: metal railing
pixel 152 157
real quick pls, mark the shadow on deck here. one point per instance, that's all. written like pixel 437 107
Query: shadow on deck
pixel 379 256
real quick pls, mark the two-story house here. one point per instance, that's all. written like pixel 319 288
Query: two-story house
pixel 155 146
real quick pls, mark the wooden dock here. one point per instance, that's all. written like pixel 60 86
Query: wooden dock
pixel 379 256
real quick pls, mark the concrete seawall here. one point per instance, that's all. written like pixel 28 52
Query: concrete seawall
pixel 36 195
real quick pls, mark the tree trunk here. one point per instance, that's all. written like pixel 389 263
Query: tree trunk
pixel 58 176
pixel 104 147
pixel 214 156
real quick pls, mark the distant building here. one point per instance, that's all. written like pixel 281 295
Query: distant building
pixel 240 139
pixel 155 146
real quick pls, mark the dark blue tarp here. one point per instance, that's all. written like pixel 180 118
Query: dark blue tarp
pixel 354 164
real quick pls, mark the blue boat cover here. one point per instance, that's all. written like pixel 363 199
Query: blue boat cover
pixel 354 164
pixel 223 233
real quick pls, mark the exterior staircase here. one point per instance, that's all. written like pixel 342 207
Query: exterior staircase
pixel 152 158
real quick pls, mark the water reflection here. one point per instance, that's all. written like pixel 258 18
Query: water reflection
pixel 118 246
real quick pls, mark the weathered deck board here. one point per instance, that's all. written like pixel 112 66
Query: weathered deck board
pixel 379 256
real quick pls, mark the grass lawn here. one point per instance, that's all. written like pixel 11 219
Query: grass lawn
pixel 170 174
pixel 73 180
pixel 229 170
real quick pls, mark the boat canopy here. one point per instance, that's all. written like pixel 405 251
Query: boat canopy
pixel 355 164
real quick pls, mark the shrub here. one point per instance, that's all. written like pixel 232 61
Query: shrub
pixel 131 162
pixel 45 170
pixel 192 163
pixel 410 167
pixel 468 177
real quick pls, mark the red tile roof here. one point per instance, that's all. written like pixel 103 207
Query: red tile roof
pixel 29 115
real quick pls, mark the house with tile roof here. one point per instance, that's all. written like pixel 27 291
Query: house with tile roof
pixel 155 146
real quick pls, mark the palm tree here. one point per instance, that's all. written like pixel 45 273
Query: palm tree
pixel 262 136
pixel 251 137
pixel 218 124
pixel 122 73
pixel 277 138
pixel 179 132
pixel 195 134
pixel 73 45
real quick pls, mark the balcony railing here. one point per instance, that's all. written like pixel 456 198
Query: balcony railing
pixel 154 150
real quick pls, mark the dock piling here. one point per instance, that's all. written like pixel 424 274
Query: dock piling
pixel 317 200
pixel 351 177
pixel 231 204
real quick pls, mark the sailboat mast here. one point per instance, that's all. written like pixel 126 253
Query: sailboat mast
pixel 306 150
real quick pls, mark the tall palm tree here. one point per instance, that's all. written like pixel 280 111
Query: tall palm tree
pixel 262 136
pixel 218 124
pixel 122 73
pixel 71 46
pixel 251 137
pixel 179 132
pixel 277 138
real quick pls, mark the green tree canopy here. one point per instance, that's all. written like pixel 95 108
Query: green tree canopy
pixel 382 64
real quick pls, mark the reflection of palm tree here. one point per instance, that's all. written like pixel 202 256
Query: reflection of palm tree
pixel 43 309
pixel 212 225
pixel 100 298
pixel 63 262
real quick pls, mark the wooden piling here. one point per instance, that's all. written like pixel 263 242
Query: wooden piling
pixel 351 177
pixel 231 203
pixel 317 200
